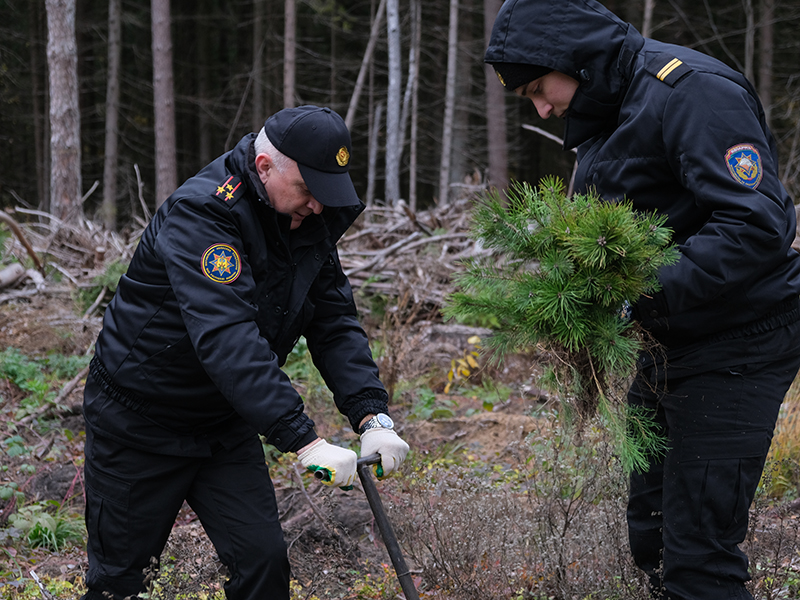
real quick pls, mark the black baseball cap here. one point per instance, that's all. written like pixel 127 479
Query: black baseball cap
pixel 318 141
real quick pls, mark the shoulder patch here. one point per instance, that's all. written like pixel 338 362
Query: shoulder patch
pixel 221 263
pixel 668 69
pixel 230 190
pixel 744 164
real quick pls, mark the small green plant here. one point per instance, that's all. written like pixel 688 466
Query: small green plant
pixel 564 271
pixel 47 525
pixel 108 280
pixel 38 376
pixel 383 587
pixel 15 446
pixel 11 490
pixel 428 406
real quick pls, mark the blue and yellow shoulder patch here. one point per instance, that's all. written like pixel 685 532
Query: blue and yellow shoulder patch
pixel 667 68
pixel 230 190
pixel 744 164
pixel 221 263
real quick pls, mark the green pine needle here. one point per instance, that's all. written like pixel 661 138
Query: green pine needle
pixel 561 270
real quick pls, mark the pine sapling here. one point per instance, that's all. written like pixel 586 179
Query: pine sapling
pixel 560 280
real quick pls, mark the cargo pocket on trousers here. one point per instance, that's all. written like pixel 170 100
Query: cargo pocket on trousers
pixel 720 474
pixel 107 517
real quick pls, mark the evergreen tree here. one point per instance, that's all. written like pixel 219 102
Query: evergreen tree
pixel 560 281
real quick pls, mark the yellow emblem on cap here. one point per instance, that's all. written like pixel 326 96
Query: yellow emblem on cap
pixel 343 157
pixel 500 77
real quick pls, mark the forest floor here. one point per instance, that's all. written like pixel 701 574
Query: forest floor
pixel 335 549
pixel 496 501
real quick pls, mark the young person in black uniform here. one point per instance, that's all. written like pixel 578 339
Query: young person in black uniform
pixel 679 132
pixel 235 266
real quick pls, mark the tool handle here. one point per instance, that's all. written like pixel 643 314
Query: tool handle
pixel 385 527
pixel 372 459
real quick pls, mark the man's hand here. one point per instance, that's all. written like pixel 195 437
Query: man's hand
pixel 388 444
pixel 340 463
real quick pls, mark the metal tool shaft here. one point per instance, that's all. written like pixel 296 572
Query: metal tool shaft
pixel 384 526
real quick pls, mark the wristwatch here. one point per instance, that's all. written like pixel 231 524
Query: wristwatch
pixel 381 420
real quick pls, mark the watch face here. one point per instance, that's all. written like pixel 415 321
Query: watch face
pixel 385 420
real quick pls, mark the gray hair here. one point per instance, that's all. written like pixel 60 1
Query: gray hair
pixel 262 145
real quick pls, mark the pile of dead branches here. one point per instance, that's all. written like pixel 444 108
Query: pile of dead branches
pixel 398 253
pixel 63 256
pixel 390 251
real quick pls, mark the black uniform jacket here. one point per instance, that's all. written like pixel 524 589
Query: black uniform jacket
pixel 216 296
pixel 678 132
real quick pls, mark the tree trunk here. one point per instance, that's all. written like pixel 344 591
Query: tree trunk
pixel 393 149
pixel 449 104
pixel 332 61
pixel 164 102
pixel 259 42
pixel 647 17
pixel 416 44
pixel 289 52
pixel 366 61
pixel 204 103
pixel 749 39
pixel 62 60
pixel 413 69
pixel 766 52
pixel 496 138
pixel 111 160
pixel 42 189
pixel 374 144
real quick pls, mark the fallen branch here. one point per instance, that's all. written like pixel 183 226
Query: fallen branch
pixel 387 252
pixel 65 391
pixel 96 303
pixel 8 220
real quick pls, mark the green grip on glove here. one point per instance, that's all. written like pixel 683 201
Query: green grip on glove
pixel 324 474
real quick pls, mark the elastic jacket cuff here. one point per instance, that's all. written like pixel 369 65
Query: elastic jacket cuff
pixel 292 433
pixel 372 401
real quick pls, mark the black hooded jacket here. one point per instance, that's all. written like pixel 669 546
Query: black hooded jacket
pixel 216 296
pixel 675 131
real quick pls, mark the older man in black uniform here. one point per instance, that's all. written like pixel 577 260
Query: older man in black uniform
pixel 679 132
pixel 235 266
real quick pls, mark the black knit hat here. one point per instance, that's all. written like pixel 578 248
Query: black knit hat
pixel 318 141
pixel 513 75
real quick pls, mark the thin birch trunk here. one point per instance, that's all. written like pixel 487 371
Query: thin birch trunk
pixel 289 52
pixel 366 63
pixel 412 159
pixel 393 149
pixel 449 105
pixel 766 53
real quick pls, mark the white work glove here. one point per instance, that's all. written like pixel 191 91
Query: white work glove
pixel 388 444
pixel 340 463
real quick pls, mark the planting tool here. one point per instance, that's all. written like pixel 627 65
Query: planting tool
pixel 384 526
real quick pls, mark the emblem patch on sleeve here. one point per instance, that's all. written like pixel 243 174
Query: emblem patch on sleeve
pixel 221 263
pixel 744 164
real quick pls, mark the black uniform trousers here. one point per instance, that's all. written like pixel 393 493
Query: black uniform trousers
pixel 133 497
pixel 691 508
